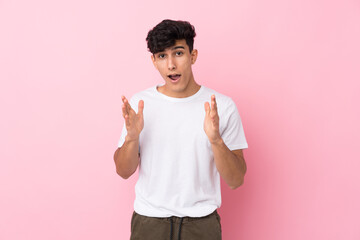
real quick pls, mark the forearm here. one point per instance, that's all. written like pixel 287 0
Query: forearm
pixel 127 158
pixel 231 168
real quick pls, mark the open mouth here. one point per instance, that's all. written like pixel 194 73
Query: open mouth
pixel 174 77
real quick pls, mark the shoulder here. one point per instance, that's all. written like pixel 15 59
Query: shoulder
pixel 146 93
pixel 222 100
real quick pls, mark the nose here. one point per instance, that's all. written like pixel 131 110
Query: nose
pixel 171 63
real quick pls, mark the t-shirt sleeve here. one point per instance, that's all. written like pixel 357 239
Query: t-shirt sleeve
pixel 124 131
pixel 233 133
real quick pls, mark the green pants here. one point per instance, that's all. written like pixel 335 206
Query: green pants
pixel 176 228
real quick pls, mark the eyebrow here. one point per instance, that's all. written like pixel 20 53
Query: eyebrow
pixel 177 47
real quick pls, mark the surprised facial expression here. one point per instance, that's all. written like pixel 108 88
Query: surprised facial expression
pixel 174 65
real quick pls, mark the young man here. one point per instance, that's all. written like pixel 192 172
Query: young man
pixel 183 136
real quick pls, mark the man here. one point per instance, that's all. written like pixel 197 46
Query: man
pixel 181 142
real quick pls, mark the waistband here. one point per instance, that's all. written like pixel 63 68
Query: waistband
pixel 176 219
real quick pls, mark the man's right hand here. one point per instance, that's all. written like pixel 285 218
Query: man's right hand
pixel 134 122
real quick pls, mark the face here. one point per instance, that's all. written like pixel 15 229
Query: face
pixel 174 65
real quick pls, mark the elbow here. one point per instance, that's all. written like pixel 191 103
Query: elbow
pixel 238 184
pixel 239 181
pixel 122 174
pixel 125 173
pixel 124 168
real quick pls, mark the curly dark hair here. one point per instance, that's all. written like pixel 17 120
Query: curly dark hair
pixel 167 32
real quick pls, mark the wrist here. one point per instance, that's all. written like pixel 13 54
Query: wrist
pixel 218 141
pixel 131 139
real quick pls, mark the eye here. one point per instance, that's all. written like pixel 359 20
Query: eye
pixel 161 55
pixel 179 53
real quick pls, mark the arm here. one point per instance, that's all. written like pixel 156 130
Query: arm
pixel 230 164
pixel 127 157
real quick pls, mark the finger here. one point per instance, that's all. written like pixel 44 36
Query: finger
pixel 127 122
pixel 213 112
pixel 214 104
pixel 123 98
pixel 141 107
pixel 127 104
pixel 207 107
pixel 124 111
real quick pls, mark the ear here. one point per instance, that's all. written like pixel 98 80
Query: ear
pixel 154 61
pixel 194 55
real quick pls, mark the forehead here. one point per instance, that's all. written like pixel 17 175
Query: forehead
pixel 178 43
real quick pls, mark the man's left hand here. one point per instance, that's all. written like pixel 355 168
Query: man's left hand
pixel 211 122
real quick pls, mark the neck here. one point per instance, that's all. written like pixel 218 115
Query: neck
pixel 190 90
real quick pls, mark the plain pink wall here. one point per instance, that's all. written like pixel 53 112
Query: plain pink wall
pixel 292 67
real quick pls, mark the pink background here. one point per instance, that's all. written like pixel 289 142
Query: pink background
pixel 292 67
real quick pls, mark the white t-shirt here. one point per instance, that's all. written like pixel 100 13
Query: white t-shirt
pixel 177 171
